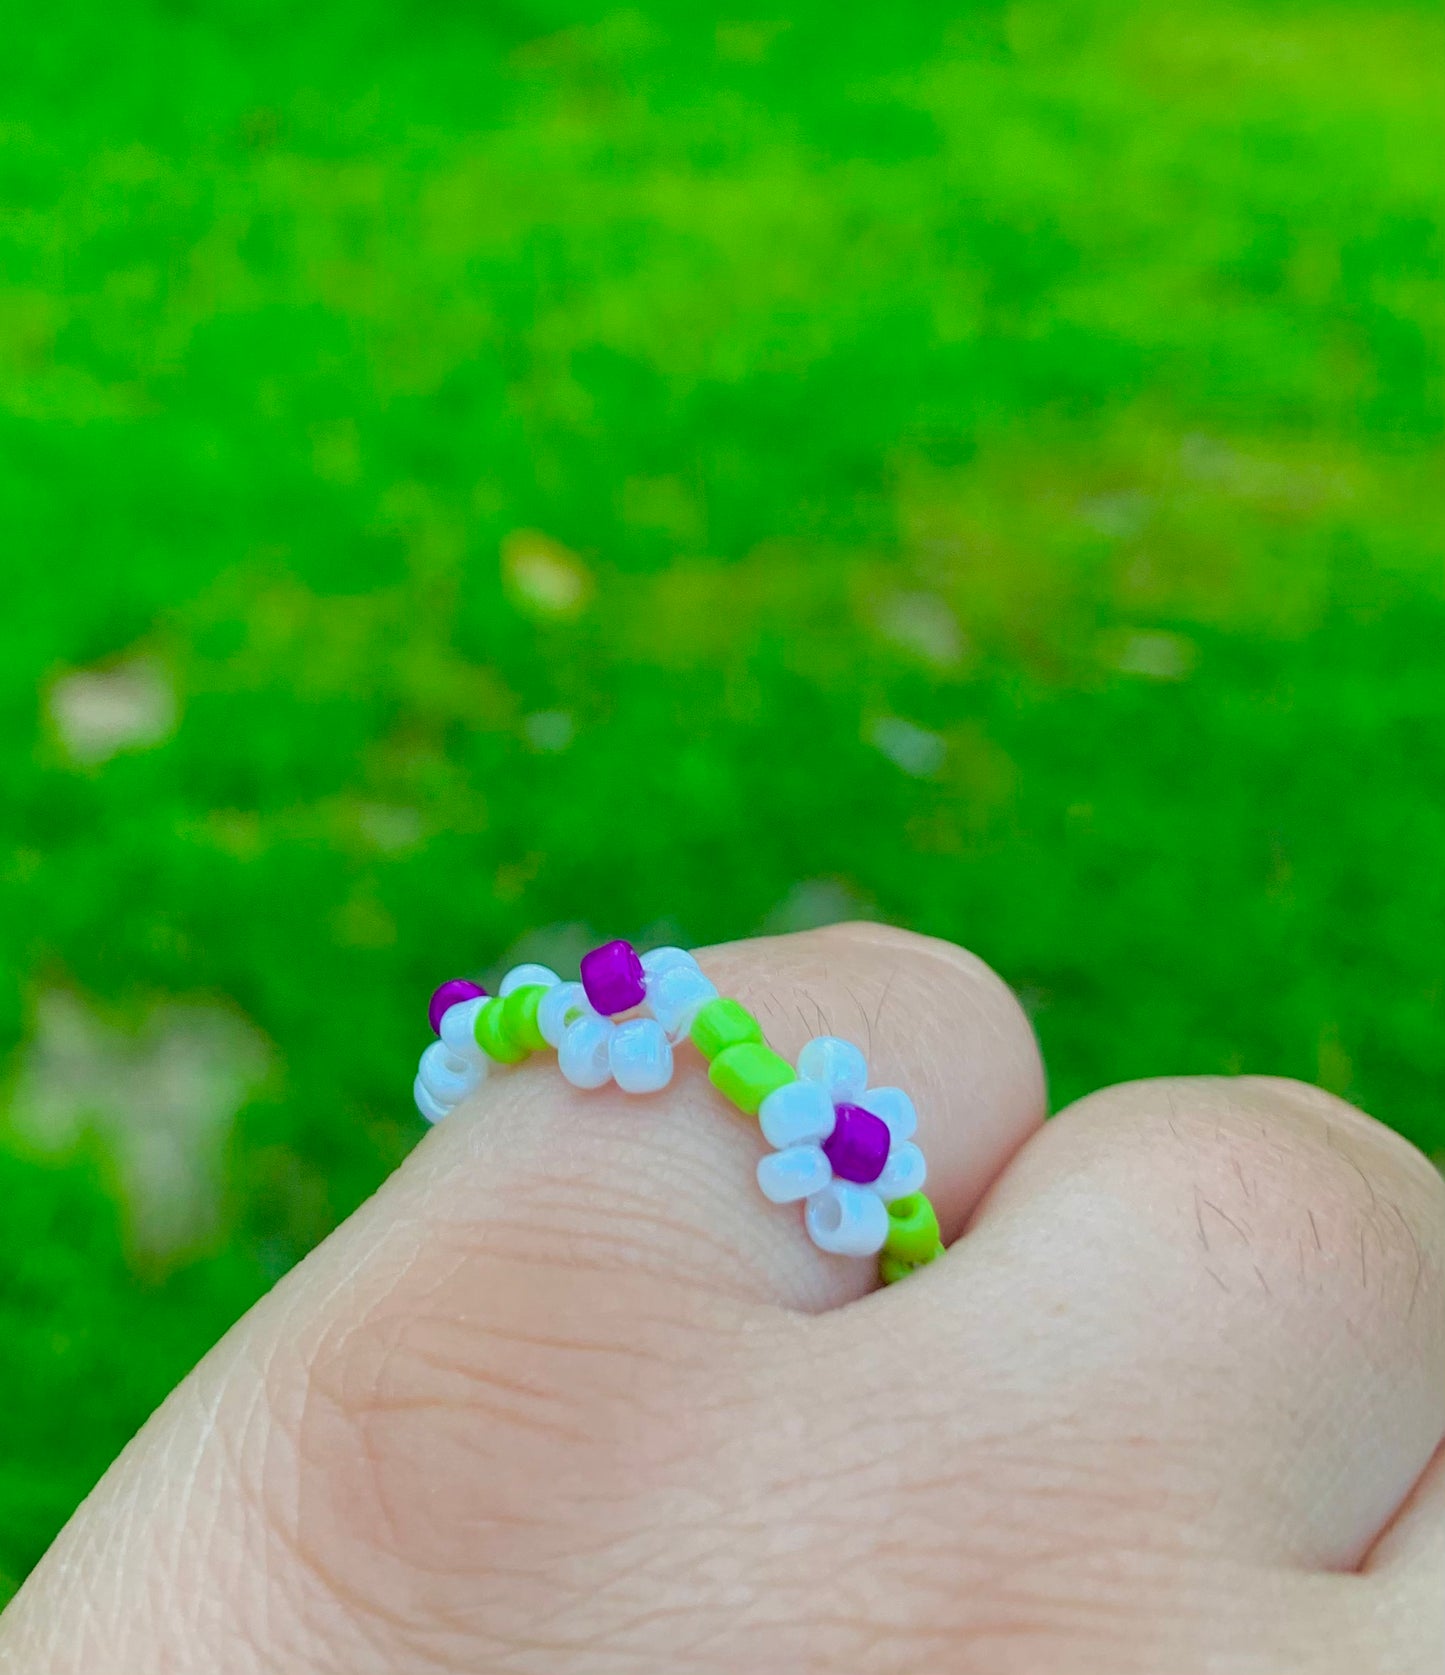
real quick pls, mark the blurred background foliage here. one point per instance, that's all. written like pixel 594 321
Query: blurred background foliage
pixel 477 478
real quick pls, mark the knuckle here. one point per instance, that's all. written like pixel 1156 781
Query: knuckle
pixel 1275 1172
pixel 945 973
pixel 876 980
pixel 1389 1153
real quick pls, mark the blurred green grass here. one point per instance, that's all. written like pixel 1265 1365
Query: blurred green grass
pixel 985 470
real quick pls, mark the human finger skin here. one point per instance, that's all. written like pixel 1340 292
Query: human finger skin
pixel 1238 1290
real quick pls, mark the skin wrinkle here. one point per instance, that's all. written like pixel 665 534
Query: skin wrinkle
pixel 687 1203
pixel 636 1227
pixel 488 1374
pixel 362 1613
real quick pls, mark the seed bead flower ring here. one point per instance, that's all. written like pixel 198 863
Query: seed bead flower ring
pixel 843 1150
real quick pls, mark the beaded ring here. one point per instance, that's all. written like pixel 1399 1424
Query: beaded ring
pixel 843 1150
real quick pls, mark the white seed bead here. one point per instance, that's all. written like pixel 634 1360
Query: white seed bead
pixel 431 1108
pixel 677 996
pixel 584 1056
pixel 640 1056
pixel 459 1027
pixel 445 1076
pixel 847 1220
pixel 527 977
pixel 905 1171
pixel 794 1173
pixel 895 1108
pixel 837 1064
pixel 558 1008
pixel 796 1113
pixel 658 960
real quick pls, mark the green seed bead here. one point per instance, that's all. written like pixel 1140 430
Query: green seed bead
pixel 748 1073
pixel 891 1269
pixel 912 1229
pixel 519 1016
pixel 721 1024
pixel 493 1036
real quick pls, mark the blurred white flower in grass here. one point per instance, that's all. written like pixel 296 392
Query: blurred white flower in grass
pixel 163 1101
pixel 99 712
pixel 925 625
pixel 549 730
pixel 1156 656
pixel 1118 515
pixel 544 578
pixel 912 748
pixel 391 829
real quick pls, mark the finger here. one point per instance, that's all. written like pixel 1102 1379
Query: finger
pixel 1237 1291
pixel 668 1183
pixel 1414 1542
pixel 1406 1570
pixel 514 1348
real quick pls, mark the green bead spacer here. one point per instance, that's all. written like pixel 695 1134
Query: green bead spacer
pixel 519 1016
pixel 912 1229
pixel 891 1269
pixel 724 1023
pixel 748 1073
pixel 493 1036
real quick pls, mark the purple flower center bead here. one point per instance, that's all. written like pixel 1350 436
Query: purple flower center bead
pixel 612 977
pixel 858 1146
pixel 449 995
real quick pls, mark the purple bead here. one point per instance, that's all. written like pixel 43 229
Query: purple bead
pixel 858 1146
pixel 449 994
pixel 612 977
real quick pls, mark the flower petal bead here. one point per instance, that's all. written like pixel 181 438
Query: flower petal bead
pixel 584 1057
pixel 797 1113
pixel 612 977
pixel 640 1056
pixel 427 1103
pixel 676 996
pixel 526 977
pixel 446 1077
pixel 459 1027
pixel 558 1008
pixel 895 1108
pixel 447 995
pixel 904 1173
pixel 793 1173
pixel 837 1064
pixel 658 960
pixel 846 1220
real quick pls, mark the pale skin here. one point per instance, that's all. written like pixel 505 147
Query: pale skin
pixel 568 1397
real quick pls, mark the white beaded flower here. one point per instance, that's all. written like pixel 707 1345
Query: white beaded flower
pixel 578 1019
pixel 842 1147
pixel 454 1064
pixel 593 1049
